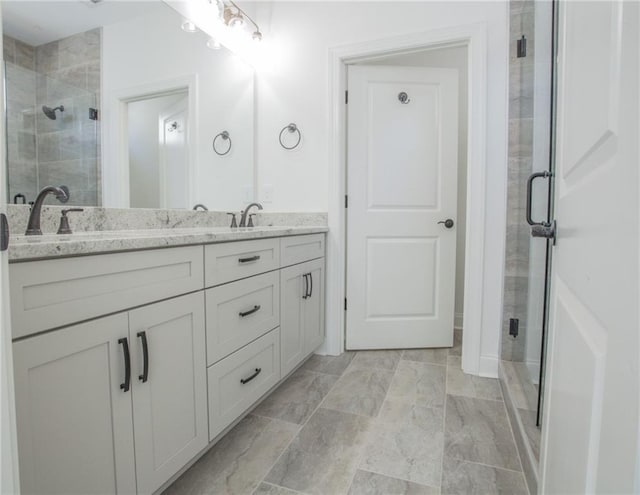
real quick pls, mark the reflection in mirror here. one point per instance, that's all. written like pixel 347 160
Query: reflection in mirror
pixel 137 102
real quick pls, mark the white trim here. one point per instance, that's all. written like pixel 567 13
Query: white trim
pixel 458 321
pixel 475 38
pixel 115 153
pixel 488 366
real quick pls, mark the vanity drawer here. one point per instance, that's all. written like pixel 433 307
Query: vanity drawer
pixel 300 248
pixel 240 379
pixel 235 260
pixel 240 312
pixel 52 293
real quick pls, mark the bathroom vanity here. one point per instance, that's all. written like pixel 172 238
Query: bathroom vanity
pixel 134 352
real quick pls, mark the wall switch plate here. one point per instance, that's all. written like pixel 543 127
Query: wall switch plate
pixel 267 193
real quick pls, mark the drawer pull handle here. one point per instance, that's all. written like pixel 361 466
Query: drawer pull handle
pixel 244 381
pixel 127 364
pixel 311 284
pixel 306 286
pixel 250 312
pixel 145 352
pixel 250 259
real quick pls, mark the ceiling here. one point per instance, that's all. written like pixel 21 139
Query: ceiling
pixel 39 22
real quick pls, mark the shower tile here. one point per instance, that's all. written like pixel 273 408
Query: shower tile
pixel 522 23
pixel 25 55
pixel 519 6
pixel 8 49
pixel 47 59
pixel 80 48
pixel 48 147
pixel 520 138
pixel 478 430
pixel 465 478
pixel 70 145
pixel 73 76
pixel 93 76
pixel 460 383
pixel 26 146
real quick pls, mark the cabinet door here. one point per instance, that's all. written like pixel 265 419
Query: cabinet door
pixel 74 421
pixel 170 403
pixel 292 288
pixel 313 307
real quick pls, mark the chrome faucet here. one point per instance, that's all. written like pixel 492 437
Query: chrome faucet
pixel 201 206
pixel 245 213
pixel 62 195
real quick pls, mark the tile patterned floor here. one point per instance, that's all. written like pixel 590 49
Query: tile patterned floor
pixel 369 422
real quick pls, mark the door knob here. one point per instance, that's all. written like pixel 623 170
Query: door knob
pixel 448 223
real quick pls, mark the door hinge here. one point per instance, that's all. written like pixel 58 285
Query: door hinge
pixel 346 201
pixel 345 303
pixel 4 232
pixel 521 47
pixel 346 97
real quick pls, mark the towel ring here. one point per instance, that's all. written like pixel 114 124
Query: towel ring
pixel 291 128
pixel 225 136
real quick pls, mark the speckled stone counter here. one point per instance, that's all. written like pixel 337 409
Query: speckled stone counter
pixel 105 230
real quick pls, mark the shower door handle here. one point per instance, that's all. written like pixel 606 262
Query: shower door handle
pixel 533 177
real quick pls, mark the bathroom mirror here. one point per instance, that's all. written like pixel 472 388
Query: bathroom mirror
pixel 121 102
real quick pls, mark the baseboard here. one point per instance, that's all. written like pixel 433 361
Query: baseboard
pixel 533 367
pixel 488 366
pixel 458 319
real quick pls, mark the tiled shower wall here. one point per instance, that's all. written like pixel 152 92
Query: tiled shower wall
pixel 65 150
pixel 521 83
pixel 22 160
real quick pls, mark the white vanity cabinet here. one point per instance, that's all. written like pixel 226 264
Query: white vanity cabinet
pixel 302 323
pixel 75 424
pixel 163 350
pixel 82 392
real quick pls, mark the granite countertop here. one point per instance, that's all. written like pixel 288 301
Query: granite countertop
pixel 24 248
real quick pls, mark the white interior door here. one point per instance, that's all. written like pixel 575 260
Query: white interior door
pixel 590 429
pixel 402 181
pixel 174 159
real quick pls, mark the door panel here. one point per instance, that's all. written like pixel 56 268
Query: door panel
pixel 291 317
pixel 170 408
pixel 590 428
pixel 402 181
pixel 74 421
pixel 314 307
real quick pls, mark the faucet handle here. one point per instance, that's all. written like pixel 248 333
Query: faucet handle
pixel 250 222
pixel 234 224
pixel 64 220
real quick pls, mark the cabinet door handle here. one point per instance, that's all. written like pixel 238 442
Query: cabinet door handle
pixel 145 353
pixel 127 364
pixel 311 284
pixel 306 286
pixel 242 314
pixel 249 259
pixel 244 381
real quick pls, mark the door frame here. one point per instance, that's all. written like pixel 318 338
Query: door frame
pixel 474 37
pixel 115 152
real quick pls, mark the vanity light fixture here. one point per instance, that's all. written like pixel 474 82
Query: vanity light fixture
pixel 234 17
pixel 214 44
pixel 189 27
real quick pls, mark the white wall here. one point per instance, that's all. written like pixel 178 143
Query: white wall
pixel 452 58
pixel 153 48
pixel 295 89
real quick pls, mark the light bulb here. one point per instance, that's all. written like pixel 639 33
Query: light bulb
pixel 189 27
pixel 257 36
pixel 214 44
pixel 236 22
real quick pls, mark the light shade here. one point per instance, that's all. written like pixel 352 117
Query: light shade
pixel 189 27
pixel 213 43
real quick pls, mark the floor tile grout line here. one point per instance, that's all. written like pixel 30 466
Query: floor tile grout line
pixel 301 427
pixel 278 486
pixel 386 394
pixel 394 477
pixel 475 397
pixel 444 417
pixel 460 459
